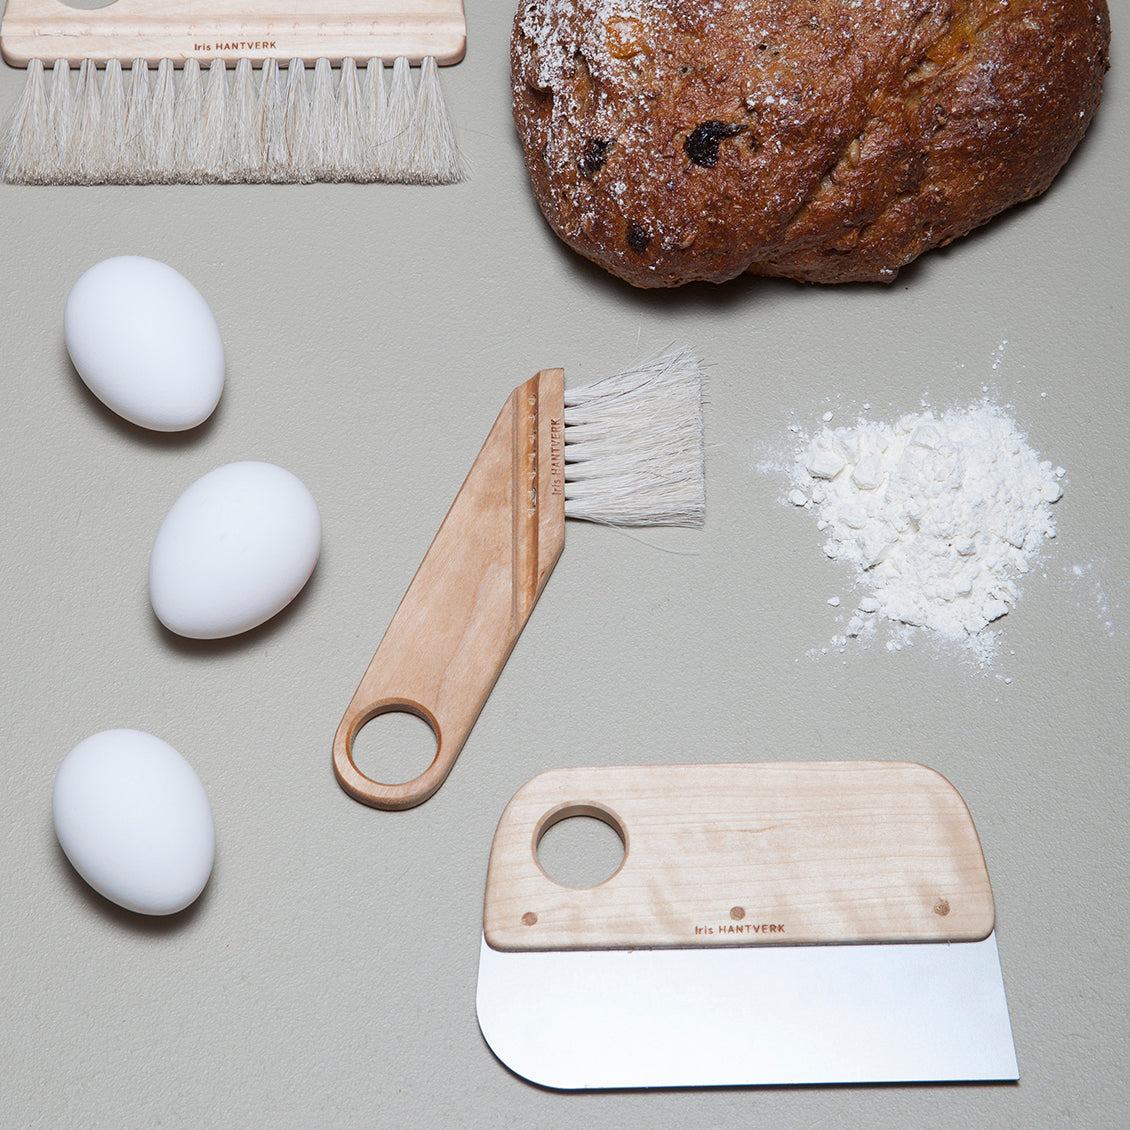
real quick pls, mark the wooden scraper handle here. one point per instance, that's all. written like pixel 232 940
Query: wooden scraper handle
pixel 723 855
pixel 466 607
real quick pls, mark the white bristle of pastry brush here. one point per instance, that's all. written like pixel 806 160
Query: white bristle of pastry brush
pixel 434 146
pixel 322 124
pixel 27 142
pixel 634 450
pixel 394 136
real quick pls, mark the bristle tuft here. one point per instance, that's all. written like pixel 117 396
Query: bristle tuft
pixel 634 452
pixel 113 137
pixel 394 138
pixel 319 124
pixel 28 130
pixel 435 155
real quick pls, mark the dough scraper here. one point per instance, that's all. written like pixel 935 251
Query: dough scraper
pixel 775 923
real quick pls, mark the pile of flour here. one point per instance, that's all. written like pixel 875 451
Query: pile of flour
pixel 939 515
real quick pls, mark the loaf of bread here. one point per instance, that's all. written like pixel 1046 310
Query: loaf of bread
pixel 818 140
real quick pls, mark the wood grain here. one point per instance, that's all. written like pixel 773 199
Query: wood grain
pixel 472 595
pixel 256 29
pixel 745 854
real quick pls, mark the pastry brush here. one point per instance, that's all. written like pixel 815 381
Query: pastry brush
pixel 159 92
pixel 624 451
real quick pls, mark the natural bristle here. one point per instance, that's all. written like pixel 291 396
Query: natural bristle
pixel 634 451
pixel 281 125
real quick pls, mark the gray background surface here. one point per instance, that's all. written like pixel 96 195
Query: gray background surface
pixel 326 977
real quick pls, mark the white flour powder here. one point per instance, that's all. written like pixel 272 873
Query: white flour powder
pixel 939 515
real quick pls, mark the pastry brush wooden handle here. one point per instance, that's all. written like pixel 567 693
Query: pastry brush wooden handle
pixel 233 29
pixel 471 597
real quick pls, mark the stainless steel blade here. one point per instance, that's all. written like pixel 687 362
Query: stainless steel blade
pixel 753 1015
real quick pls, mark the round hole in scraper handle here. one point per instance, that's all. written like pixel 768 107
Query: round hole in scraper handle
pixel 378 794
pixel 590 860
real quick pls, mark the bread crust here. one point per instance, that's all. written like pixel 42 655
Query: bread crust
pixel 819 140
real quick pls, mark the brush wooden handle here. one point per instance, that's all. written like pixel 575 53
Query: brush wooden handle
pixel 219 29
pixel 722 855
pixel 471 597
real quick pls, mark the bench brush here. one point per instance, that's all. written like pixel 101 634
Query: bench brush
pixel 623 451
pixel 160 92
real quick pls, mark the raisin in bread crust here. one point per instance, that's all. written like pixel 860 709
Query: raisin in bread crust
pixel 819 140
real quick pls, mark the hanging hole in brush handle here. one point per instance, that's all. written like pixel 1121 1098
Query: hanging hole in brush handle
pixel 349 758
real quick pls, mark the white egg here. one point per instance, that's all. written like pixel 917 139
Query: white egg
pixel 145 342
pixel 233 550
pixel 133 818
